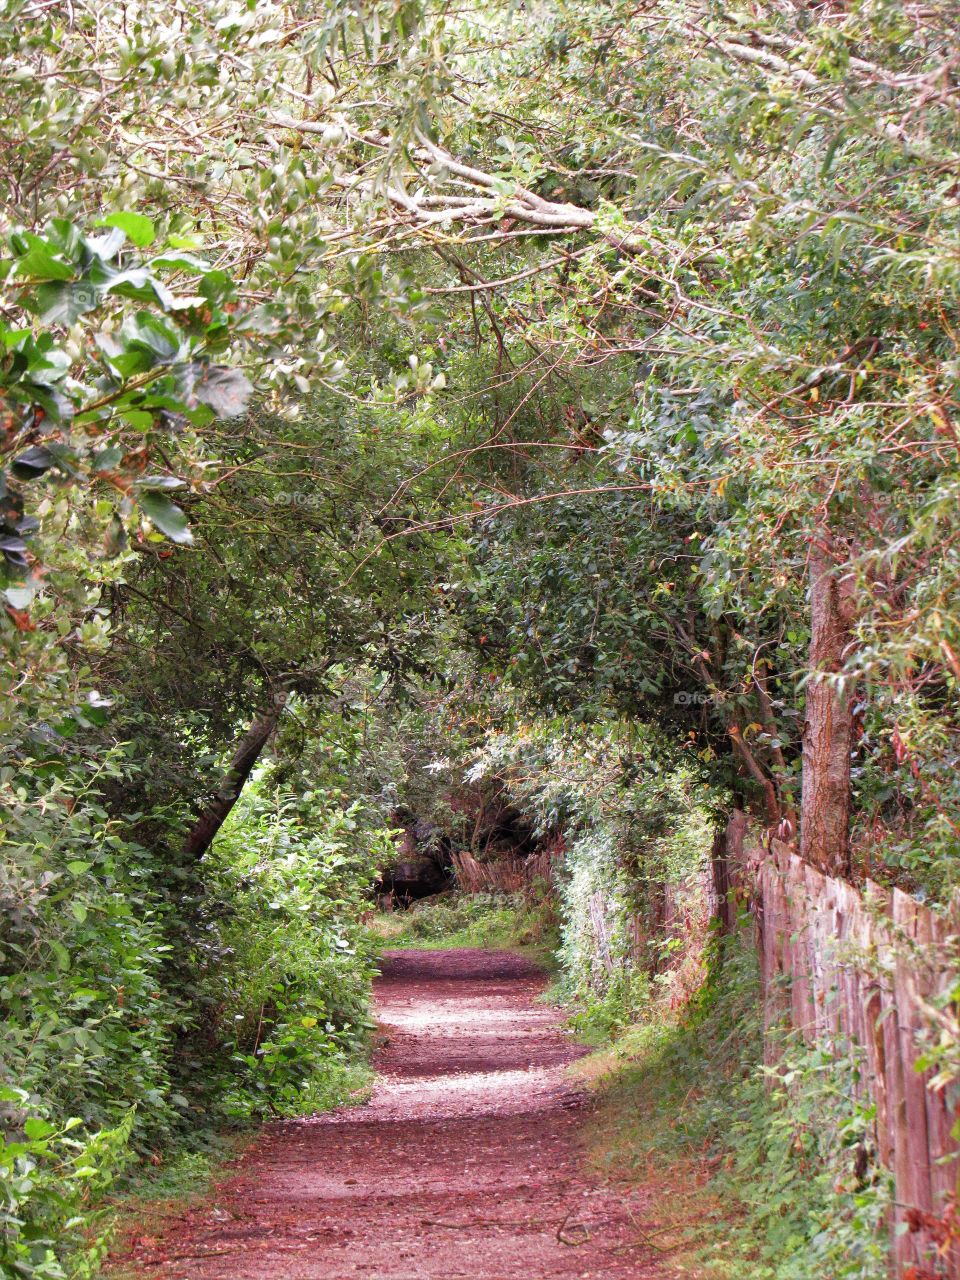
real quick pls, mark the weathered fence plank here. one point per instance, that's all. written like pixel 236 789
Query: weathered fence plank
pixel 856 968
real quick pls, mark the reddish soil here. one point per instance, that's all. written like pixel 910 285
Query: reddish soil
pixel 465 1162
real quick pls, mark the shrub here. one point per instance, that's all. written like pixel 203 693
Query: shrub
pixel 288 881
pixel 784 1151
pixel 630 833
pixel 48 1181
pixel 145 1000
pixel 461 920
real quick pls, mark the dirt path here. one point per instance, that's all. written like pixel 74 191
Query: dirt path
pixel 465 1163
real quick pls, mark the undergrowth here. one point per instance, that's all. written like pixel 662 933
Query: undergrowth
pixel 128 1036
pixel 777 1175
pixel 509 921
pixel 184 1179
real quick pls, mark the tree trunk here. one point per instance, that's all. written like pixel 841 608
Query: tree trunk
pixel 828 724
pixel 752 769
pixel 244 758
pixel 726 862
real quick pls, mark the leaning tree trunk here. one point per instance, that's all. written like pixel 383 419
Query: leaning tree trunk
pixel 751 768
pixel 244 758
pixel 828 724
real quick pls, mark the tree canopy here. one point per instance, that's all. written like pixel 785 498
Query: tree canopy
pixel 393 376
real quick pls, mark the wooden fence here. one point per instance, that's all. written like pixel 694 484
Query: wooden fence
pixel 502 875
pixel 862 968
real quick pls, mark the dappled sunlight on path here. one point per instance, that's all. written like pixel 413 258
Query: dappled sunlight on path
pixel 464 1163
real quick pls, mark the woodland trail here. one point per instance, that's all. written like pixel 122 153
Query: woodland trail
pixel 466 1161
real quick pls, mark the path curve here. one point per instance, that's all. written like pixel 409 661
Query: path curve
pixel 464 1164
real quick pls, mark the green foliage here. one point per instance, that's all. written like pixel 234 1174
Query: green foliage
pixel 183 1175
pixel 823 1201
pixel 629 826
pixel 131 1020
pixel 88 1018
pixel 293 400
pixel 287 886
pixel 604 975
pixel 50 1183
pixel 792 1163
pixel 467 920
pixel 746 346
pixel 117 356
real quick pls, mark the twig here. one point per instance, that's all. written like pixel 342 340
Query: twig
pixel 564 1238
pixel 481 1222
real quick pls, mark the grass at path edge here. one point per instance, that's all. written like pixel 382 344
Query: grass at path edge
pixel 480 921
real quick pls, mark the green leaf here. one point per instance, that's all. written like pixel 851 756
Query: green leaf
pixel 216 286
pixel 138 229
pixel 167 517
pixel 62 302
pixel 77 868
pixel 150 331
pixel 11 338
pixel 107 459
pixel 139 419
pixel 37 1129
pixel 38 262
pixel 161 482
pixel 32 463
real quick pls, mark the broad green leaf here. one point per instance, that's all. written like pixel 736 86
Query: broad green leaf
pixel 167 517
pixel 61 302
pixel 138 229
pixel 37 1129
pixel 39 262
pixel 32 463
pixel 107 459
pixel 150 331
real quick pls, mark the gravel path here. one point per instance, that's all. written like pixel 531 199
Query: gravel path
pixel 465 1162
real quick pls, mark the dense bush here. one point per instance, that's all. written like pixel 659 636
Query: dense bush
pixel 783 1175
pixel 469 920
pixel 682 361
pixel 90 1019
pixel 88 1016
pixel 133 1014
pixel 52 1177
pixel 287 889
pixel 821 1205
pixel 633 829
